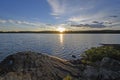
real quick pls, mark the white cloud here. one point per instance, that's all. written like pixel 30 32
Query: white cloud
pixel 81 19
pixel 63 8
pixel 11 21
pixel 19 22
pixel 89 18
pixel 25 23
pixel 81 11
pixel 58 7
pixel 2 21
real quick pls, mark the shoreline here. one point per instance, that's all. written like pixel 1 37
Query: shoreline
pixel 33 66
pixel 68 32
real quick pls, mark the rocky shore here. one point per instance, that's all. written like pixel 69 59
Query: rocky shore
pixel 37 66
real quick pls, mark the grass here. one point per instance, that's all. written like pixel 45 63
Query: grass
pixel 98 53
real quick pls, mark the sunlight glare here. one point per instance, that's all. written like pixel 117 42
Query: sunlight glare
pixel 61 29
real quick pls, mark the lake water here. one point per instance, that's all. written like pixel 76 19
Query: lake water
pixel 60 45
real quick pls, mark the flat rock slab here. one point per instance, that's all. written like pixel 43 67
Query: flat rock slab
pixel 36 66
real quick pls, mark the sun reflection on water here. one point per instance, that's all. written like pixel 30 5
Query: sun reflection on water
pixel 61 36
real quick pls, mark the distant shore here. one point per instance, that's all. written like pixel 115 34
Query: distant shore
pixel 68 32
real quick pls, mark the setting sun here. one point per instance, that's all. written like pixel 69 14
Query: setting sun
pixel 61 29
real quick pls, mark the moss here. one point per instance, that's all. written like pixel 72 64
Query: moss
pixel 97 54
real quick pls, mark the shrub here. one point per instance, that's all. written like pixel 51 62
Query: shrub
pixel 97 53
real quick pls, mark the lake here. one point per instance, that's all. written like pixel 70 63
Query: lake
pixel 60 45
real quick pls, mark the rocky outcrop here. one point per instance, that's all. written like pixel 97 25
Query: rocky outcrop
pixel 36 66
pixel 108 69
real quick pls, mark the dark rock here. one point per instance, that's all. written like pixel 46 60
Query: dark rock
pixel 109 69
pixel 90 73
pixel 34 66
pixel 73 56
pixel 110 64
pixel 116 46
pixel 77 61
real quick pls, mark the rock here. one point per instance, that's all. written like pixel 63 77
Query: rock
pixel 110 64
pixel 109 69
pixel 36 66
pixel 73 56
pixel 90 73
pixel 77 61
pixel 108 74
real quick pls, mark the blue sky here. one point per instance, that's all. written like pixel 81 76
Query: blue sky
pixel 50 14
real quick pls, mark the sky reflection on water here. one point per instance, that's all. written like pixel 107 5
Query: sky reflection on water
pixel 60 45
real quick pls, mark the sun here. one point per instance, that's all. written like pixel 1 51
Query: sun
pixel 61 29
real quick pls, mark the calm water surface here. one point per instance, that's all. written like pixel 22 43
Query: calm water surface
pixel 61 45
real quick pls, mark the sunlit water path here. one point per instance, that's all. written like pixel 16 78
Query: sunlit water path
pixel 60 45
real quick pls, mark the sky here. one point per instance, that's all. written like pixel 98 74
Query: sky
pixel 37 15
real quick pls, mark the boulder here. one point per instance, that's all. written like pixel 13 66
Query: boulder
pixel 90 73
pixel 108 69
pixel 110 64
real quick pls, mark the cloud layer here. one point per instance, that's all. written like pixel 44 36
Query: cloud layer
pixel 68 7
pixel 86 12
pixel 95 24
pixel 18 22
pixel 78 13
